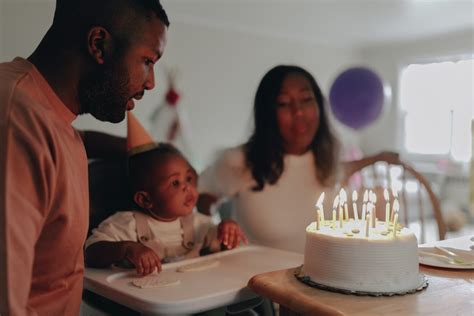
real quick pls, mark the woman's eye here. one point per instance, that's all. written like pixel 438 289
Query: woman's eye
pixel 282 104
pixel 308 99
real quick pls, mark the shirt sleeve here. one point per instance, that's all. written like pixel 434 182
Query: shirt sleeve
pixel 28 186
pixel 121 226
pixel 226 176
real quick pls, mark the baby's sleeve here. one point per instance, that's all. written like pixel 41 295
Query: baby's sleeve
pixel 226 176
pixel 121 226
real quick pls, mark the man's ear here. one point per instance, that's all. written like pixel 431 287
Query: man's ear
pixel 99 41
pixel 142 198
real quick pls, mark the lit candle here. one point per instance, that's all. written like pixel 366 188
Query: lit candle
pixel 333 219
pixel 354 205
pixel 395 223
pixel 387 208
pixel 317 219
pixel 395 208
pixel 367 225
pixel 344 203
pixel 364 204
pixel 335 205
pixel 341 214
pixel 374 209
pixel 319 205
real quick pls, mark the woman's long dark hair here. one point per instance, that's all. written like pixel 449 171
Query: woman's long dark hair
pixel 264 150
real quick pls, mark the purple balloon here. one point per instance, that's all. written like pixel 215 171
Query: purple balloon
pixel 357 97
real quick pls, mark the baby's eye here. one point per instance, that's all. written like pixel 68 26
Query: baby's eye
pixel 190 179
pixel 175 183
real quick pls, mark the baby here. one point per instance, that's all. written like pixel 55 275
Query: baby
pixel 163 228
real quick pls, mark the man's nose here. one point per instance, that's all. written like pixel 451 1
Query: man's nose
pixel 150 80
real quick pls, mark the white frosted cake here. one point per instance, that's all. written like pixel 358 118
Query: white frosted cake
pixel 344 258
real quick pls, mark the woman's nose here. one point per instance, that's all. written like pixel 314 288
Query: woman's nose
pixel 297 108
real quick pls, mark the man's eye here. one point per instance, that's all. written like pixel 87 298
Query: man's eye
pixel 308 99
pixel 149 62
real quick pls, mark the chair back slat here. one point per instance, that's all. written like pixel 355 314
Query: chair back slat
pixel 413 194
pixel 421 213
pixel 404 204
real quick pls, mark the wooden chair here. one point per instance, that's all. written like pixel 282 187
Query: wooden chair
pixel 415 194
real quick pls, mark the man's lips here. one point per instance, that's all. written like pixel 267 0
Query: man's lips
pixel 131 103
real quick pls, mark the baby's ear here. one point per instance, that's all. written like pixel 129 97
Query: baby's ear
pixel 142 198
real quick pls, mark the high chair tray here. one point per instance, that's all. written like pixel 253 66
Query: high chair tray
pixel 194 285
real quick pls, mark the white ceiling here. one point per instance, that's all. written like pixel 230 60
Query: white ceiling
pixel 341 23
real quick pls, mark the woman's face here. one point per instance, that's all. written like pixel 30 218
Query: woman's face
pixel 297 114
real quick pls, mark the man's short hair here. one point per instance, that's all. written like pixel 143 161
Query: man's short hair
pixel 116 15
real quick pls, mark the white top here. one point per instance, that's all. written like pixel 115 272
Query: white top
pixel 277 216
pixel 122 226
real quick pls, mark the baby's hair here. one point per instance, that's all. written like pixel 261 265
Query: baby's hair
pixel 140 165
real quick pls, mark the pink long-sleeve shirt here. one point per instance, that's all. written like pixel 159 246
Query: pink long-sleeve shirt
pixel 43 197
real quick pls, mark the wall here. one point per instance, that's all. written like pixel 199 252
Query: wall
pixel 452 186
pixel 218 73
pixel 388 60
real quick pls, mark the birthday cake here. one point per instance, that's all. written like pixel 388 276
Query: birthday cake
pixel 346 255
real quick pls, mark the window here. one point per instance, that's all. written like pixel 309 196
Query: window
pixel 437 101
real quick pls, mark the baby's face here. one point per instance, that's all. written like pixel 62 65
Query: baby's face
pixel 173 192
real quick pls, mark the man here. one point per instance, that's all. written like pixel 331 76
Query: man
pixel 97 57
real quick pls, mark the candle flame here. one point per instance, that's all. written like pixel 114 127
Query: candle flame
pixel 366 196
pixel 385 194
pixel 343 195
pixel 396 205
pixel 320 200
pixel 336 202
pixel 354 195
pixel 394 193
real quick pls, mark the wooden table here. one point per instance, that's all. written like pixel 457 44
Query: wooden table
pixel 450 292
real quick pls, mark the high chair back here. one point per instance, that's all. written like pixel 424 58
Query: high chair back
pixel 108 190
pixel 418 203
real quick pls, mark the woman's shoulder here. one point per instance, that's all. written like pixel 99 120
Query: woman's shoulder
pixel 232 156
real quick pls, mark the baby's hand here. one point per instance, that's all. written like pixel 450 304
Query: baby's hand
pixel 144 259
pixel 230 234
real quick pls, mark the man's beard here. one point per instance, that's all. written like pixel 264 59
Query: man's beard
pixel 104 93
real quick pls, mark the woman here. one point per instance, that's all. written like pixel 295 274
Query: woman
pixel 275 178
